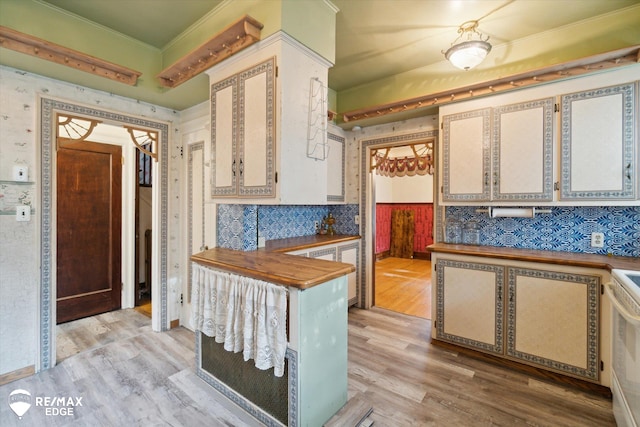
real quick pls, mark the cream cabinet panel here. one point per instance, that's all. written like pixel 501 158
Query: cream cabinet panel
pixel 223 104
pixel 336 168
pixel 469 305
pixel 598 144
pixel 242 133
pixel 522 151
pixel 552 320
pixel 466 166
pixel 349 253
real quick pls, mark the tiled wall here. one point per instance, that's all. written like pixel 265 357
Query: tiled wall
pixel 238 225
pixel 566 229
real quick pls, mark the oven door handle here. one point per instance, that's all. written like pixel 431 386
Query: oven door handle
pixel 620 307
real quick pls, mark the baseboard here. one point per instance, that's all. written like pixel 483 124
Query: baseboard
pixel 17 374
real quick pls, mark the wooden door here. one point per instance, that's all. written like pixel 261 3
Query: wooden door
pixel 89 199
pixel 402 232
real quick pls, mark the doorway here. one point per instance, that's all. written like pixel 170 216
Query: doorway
pixel 403 193
pixel 368 148
pixel 50 109
pixel 143 226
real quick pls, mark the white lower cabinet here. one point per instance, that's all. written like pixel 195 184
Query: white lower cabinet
pixel 347 252
pixel 546 316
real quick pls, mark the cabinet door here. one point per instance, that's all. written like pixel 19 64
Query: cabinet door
pixel 522 151
pixel 223 138
pixel 469 305
pixel 598 140
pixel 335 168
pixel 349 254
pixel 466 165
pixel 552 320
pixel 256 131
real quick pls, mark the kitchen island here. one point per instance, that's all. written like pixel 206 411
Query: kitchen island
pixel 314 385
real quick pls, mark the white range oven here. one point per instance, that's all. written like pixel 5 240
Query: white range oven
pixel 624 292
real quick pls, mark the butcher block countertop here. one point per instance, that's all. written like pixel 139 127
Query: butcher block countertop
pixel 274 267
pixel 304 242
pixel 550 257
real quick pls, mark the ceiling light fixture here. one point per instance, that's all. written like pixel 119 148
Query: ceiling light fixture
pixel 467 53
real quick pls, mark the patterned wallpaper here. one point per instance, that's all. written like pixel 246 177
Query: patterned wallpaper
pixel 566 229
pixel 239 225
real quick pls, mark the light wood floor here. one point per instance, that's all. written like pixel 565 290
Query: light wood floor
pixel 404 285
pixel 138 377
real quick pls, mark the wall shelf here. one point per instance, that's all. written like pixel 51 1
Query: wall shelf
pixel 34 46
pixel 234 38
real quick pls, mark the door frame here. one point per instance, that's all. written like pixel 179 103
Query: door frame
pixel 49 109
pixel 367 204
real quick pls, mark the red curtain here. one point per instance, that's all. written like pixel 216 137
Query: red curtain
pixel 423 236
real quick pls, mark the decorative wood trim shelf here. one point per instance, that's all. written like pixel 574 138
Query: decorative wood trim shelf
pixel 613 59
pixel 237 36
pixel 34 46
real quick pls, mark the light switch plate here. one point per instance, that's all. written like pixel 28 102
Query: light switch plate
pixel 20 173
pixel 23 213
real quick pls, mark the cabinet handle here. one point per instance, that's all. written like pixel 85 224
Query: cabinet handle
pixel 241 167
pixel 233 167
pixel 486 179
pixel 629 171
pixel 495 179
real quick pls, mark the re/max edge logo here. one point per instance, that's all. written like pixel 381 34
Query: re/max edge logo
pixel 20 401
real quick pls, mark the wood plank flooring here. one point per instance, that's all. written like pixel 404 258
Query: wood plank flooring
pixel 137 377
pixel 410 382
pixel 404 285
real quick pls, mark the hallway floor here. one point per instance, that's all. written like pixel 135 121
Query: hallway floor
pixel 404 285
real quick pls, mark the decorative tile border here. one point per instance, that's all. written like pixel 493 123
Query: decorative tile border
pixel 47 153
pixel 192 149
pixel 341 140
pixel 323 252
pixel 593 317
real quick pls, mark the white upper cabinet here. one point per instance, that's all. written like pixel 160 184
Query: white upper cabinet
pixel 242 133
pixel 598 144
pixel 466 156
pixel 522 150
pixel 499 154
pixel 568 143
pixel 260 121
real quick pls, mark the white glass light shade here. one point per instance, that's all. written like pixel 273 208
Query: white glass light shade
pixel 468 54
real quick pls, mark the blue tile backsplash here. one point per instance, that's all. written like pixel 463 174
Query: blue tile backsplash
pixel 239 225
pixel 566 229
